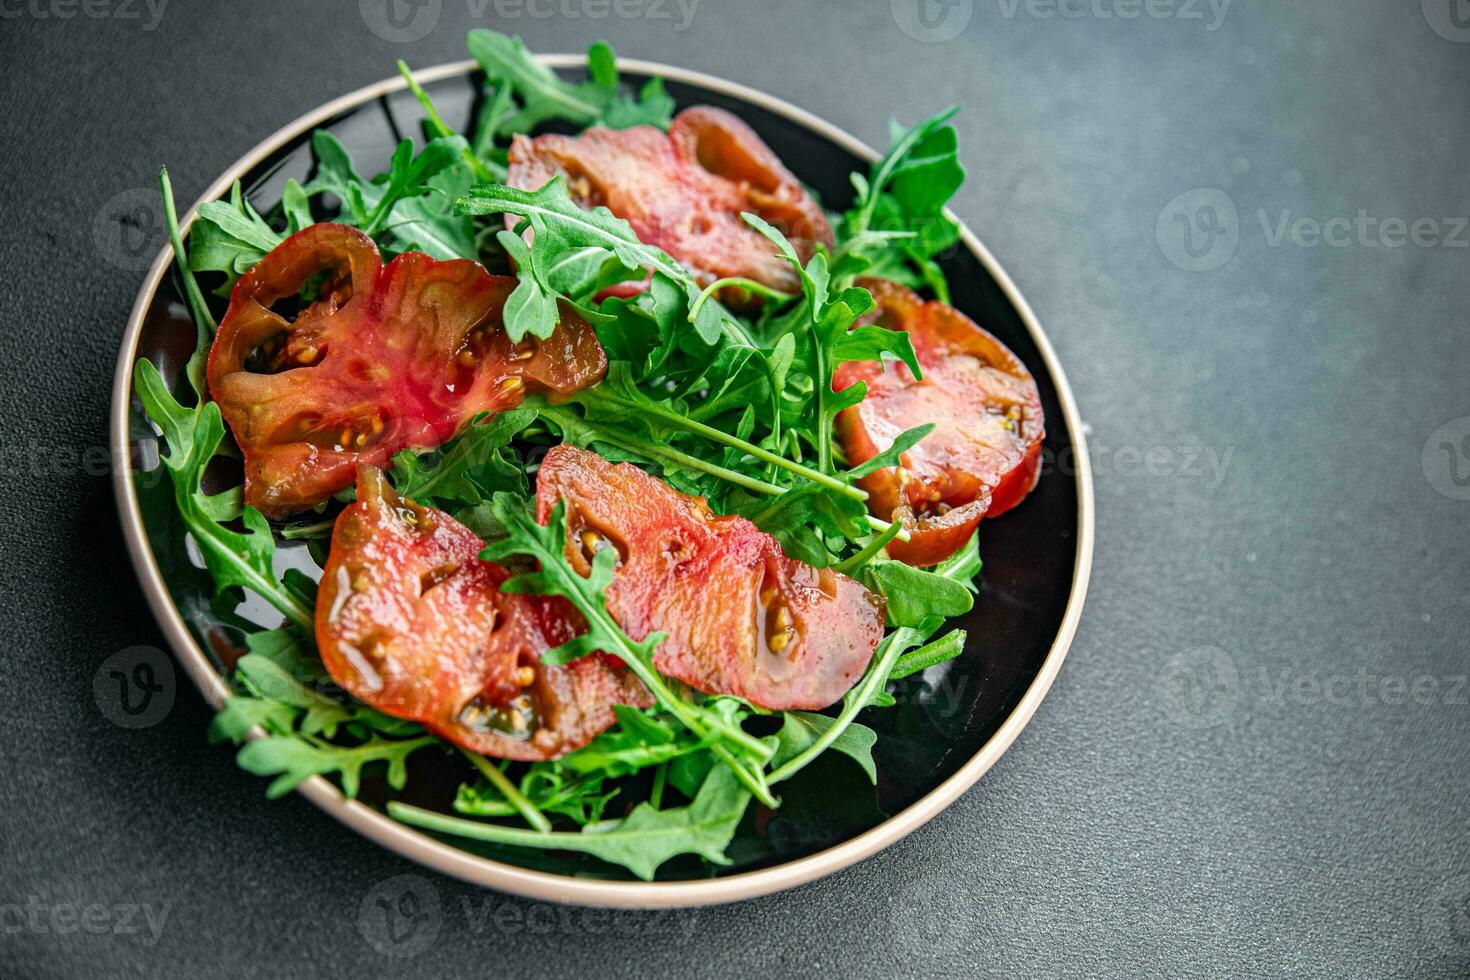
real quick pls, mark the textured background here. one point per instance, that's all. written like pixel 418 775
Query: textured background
pixel 1257 758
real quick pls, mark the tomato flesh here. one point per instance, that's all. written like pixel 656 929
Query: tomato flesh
pixel 984 454
pixel 386 358
pixel 741 618
pixel 684 191
pixel 411 621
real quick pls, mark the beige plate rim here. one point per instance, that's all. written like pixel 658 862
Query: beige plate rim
pixel 534 884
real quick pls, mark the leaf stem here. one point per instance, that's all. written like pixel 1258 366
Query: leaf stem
pixel 849 565
pixel 751 285
pixel 857 699
pixel 439 126
pixel 718 435
pixel 509 790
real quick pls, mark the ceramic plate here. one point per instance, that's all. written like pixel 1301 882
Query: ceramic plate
pixel 950 724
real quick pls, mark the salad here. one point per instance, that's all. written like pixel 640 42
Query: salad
pixel 631 474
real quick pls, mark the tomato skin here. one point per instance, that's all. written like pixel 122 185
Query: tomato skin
pixel 984 456
pixel 684 191
pixel 411 621
pixel 389 358
pixel 719 588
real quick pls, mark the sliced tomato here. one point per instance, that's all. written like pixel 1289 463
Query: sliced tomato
pixel 741 618
pixel 984 454
pixel 411 621
pixel 385 358
pixel 684 191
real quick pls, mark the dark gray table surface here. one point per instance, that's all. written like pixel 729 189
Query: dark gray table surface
pixel 1256 760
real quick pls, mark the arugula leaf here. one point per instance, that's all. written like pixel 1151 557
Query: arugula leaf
pixel 636 742
pixel 203 322
pixel 531 308
pixel 233 558
pixel 335 175
pixel 640 842
pixel 229 237
pixel 292 759
pixel 801 730
pixel 915 594
pixel 548 787
pixel 903 197
pixel 544 96
pixel 409 174
pixel 947 647
pixel 436 125
pixel 560 226
pixel 467 470
pixel 428 223
pixel 905 441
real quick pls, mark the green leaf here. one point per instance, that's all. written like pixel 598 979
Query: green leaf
pixel 802 729
pixel 640 842
pixel 544 96
pixel 428 223
pixel 871 342
pixel 637 742
pixel 335 175
pixel 233 558
pixel 470 468
pixel 409 174
pixel 915 594
pixel 229 237
pixel 905 441
pixel 291 760
pixel 947 647
pixel 531 307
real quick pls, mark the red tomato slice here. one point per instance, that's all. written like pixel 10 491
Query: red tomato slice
pixel 387 358
pixel 741 617
pixel 984 455
pixel 684 191
pixel 411 621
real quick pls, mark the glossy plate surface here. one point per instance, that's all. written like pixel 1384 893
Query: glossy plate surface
pixel 951 723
